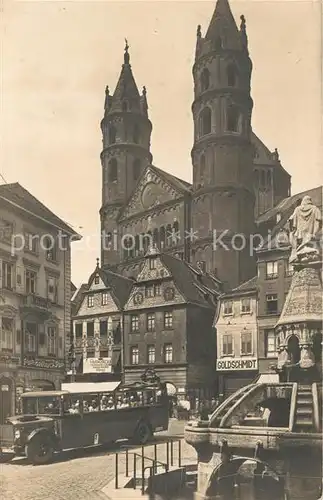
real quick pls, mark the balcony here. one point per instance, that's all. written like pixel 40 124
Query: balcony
pixel 35 304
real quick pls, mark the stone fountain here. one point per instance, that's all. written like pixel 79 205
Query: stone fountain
pixel 265 440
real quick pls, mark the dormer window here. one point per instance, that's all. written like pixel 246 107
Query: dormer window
pixel 278 218
pixel 218 43
pixel 125 106
pixel 228 307
pixel 96 279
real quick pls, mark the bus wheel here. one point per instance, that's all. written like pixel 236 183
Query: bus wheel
pixel 143 433
pixel 40 450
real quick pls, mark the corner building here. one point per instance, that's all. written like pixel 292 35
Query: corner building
pixel 235 176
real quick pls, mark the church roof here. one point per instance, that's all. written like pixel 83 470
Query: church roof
pixel 18 196
pixel 287 205
pixel 172 179
pixel 285 209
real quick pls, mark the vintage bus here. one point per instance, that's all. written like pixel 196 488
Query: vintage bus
pixel 87 414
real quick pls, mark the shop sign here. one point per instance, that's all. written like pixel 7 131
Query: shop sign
pixel 237 364
pixel 97 365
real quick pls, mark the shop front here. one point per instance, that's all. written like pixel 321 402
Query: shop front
pixel 235 373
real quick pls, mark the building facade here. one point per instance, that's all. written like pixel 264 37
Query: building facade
pixel 97 326
pixel 235 176
pixel 267 291
pixel 169 303
pixel 237 338
pixel 35 285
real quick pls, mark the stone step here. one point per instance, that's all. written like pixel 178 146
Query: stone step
pixel 304 411
pixel 307 401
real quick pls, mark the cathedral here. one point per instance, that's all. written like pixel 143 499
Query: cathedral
pixel 236 178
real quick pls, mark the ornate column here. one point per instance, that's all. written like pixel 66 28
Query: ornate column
pixel 84 340
pixel 96 338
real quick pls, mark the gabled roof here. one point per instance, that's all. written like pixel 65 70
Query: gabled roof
pixel 173 180
pixel 19 197
pixel 77 297
pixel 187 282
pixel 176 184
pixel 119 285
pixel 247 285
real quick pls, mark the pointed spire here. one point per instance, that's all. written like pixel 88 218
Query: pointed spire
pixel 126 92
pixel 223 24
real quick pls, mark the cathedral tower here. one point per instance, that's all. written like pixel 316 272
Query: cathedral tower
pixel 222 153
pixel 126 131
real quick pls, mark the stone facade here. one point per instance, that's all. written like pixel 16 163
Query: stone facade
pixel 235 176
pixel 35 303
pixel 237 338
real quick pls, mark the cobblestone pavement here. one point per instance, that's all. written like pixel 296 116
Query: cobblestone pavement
pixel 78 476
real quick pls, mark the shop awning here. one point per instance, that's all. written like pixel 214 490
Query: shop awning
pixel 90 387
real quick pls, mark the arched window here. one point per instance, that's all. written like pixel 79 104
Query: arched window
pixel 162 237
pixel 233 115
pixel 202 167
pixel 136 134
pixel 125 106
pixel 205 79
pixel 112 134
pixel 113 170
pixel 205 121
pixel 231 75
pixel 136 169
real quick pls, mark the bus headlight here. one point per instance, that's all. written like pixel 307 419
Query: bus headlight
pixel 17 434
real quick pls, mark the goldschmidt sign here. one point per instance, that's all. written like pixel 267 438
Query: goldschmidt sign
pixel 237 364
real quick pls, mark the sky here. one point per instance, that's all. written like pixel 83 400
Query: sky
pixel 57 58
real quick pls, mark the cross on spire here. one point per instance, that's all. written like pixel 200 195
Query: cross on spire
pixel 126 53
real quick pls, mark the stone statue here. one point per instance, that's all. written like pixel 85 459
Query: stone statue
pixel 305 223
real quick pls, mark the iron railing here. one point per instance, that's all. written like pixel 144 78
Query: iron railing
pixel 155 463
